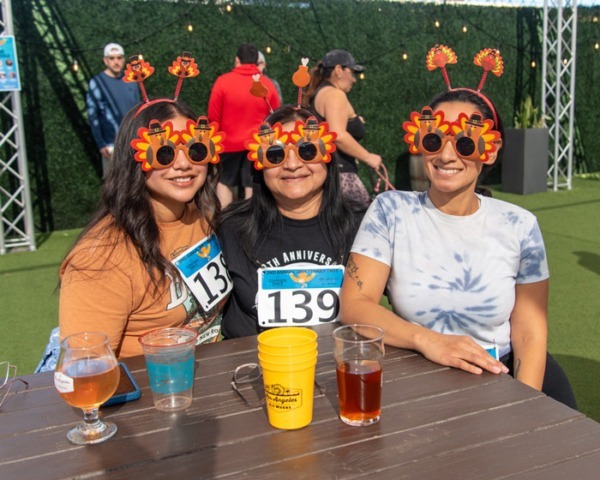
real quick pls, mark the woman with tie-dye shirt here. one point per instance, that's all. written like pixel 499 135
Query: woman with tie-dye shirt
pixel 466 275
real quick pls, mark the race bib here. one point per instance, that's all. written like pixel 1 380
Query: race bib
pixel 307 295
pixel 202 267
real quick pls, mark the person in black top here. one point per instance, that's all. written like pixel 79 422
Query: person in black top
pixel 331 81
pixel 296 217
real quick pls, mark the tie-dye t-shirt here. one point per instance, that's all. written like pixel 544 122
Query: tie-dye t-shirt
pixel 454 274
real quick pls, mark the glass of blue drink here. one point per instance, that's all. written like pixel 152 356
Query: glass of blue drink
pixel 169 354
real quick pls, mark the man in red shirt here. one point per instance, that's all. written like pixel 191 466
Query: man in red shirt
pixel 238 113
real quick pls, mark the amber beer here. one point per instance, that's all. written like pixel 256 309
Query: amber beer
pixel 359 390
pixel 94 381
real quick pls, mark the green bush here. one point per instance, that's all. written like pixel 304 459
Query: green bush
pixel 63 160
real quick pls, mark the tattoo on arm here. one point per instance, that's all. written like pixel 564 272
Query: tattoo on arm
pixel 516 368
pixel 352 270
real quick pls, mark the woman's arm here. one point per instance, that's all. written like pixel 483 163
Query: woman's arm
pixel 335 107
pixel 529 332
pixel 95 300
pixel 363 286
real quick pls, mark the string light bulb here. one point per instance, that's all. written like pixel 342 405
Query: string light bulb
pixel 228 8
pixel 465 29
pixel 268 50
pixel 437 24
pixel 404 56
pixel 597 46
pixel 533 64
pixel 190 27
pixel 361 75
pixel 75 66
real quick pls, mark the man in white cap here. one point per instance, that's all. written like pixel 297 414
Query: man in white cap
pixel 108 100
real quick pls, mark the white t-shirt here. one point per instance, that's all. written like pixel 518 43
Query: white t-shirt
pixel 454 274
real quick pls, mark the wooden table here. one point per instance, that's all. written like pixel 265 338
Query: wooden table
pixel 436 423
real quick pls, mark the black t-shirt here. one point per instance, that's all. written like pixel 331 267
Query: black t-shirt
pixel 295 241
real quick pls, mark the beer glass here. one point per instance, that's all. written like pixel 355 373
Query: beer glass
pixel 87 374
pixel 358 352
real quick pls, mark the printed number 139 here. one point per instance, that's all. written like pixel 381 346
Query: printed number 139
pixel 220 275
pixel 327 301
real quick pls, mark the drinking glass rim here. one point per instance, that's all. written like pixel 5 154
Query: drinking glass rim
pixel 359 325
pixel 168 330
pixel 64 342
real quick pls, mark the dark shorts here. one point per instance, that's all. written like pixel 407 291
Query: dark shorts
pixel 235 169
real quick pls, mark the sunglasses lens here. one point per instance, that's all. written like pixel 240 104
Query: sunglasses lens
pixel 307 151
pixel 165 155
pixel 275 154
pixel 198 152
pixel 465 146
pixel 247 373
pixel 432 142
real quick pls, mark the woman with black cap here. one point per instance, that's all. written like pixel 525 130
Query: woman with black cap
pixel 331 80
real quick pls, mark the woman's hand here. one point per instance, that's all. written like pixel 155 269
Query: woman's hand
pixel 373 160
pixel 459 351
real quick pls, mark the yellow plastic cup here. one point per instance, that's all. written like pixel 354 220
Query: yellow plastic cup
pixel 287 337
pixel 288 345
pixel 287 359
pixel 289 391
pixel 283 354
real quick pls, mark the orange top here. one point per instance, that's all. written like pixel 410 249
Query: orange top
pixel 105 287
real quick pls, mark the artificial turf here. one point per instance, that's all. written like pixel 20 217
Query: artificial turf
pixel 570 223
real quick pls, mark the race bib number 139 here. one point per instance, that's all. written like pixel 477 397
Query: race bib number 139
pixel 306 295
pixel 203 269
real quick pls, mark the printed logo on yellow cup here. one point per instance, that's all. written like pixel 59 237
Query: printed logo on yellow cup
pixel 282 399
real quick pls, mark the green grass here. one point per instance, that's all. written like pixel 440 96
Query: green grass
pixel 29 302
pixel 570 222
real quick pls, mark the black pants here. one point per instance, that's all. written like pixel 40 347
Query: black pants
pixel 556 384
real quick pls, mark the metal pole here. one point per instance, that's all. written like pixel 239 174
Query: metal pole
pixel 20 231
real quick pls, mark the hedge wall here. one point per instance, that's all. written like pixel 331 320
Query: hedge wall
pixel 65 166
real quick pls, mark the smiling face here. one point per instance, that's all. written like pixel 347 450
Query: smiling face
pixel 296 186
pixel 171 188
pixel 452 176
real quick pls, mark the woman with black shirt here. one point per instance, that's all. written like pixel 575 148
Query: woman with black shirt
pixel 331 81
pixel 296 218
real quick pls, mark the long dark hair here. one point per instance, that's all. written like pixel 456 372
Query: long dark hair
pixel 125 200
pixel 318 75
pixel 477 99
pixel 255 217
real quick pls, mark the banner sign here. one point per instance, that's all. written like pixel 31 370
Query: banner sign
pixel 9 67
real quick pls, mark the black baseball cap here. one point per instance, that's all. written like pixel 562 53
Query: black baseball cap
pixel 343 58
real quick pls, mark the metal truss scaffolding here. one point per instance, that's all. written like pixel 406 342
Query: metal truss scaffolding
pixel 16 217
pixel 558 87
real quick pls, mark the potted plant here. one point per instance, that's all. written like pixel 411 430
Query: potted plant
pixel 525 161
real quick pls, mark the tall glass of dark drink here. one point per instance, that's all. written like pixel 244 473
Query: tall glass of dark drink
pixel 358 352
